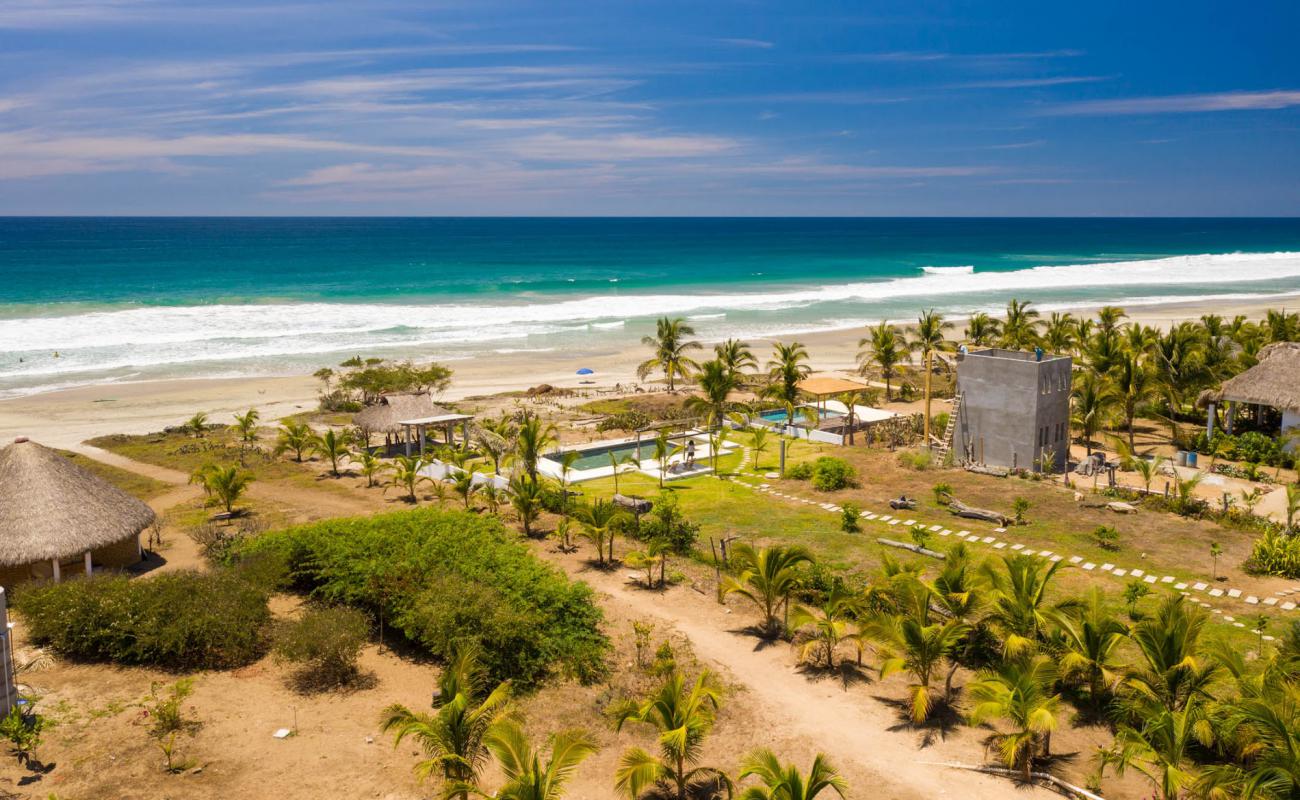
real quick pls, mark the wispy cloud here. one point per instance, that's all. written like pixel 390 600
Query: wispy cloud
pixel 753 43
pixel 1029 83
pixel 1181 104
pixel 917 56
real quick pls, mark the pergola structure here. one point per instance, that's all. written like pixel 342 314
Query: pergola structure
pixel 822 389
pixel 445 422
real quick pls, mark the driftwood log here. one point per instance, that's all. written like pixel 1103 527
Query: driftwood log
pixel 915 548
pixel 1046 777
pixel 997 472
pixel 970 512
pixel 637 505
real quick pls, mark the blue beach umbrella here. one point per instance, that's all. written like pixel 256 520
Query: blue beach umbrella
pixel 586 371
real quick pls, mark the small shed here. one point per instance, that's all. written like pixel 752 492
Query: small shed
pixel 56 517
pixel 1273 382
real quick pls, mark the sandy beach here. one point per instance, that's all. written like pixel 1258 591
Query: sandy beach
pixel 67 417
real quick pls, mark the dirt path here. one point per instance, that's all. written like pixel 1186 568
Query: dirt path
pixel 861 735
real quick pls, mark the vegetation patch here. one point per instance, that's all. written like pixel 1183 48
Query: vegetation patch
pixel 140 486
pixel 447 580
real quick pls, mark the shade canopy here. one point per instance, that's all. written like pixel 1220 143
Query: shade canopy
pixel 586 371
pixel 394 410
pixel 1274 381
pixel 827 387
pixel 52 508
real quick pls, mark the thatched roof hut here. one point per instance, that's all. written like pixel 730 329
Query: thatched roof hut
pixel 386 415
pixel 1274 381
pixel 52 510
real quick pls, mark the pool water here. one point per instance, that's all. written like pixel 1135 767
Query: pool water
pixel 778 415
pixel 597 457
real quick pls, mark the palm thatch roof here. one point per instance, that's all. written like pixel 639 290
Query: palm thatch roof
pixel 1274 381
pixel 384 416
pixel 52 508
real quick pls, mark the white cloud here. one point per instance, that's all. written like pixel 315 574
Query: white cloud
pixel 1182 104
pixel 759 44
pixel 1029 83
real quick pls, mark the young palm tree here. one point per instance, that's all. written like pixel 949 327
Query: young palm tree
pixel 736 356
pixel 1019 607
pixel 462 483
pixel 599 521
pixel 683 716
pixel 1020 327
pixel 910 642
pixel 526 500
pixel 492 442
pixel 982 330
pixel 1161 747
pixel 1134 385
pixel 227 484
pixel 529 773
pixel 716 382
pixel 1019 691
pixel 371 465
pixel 758 443
pixel 784 372
pixel 246 425
pixel 767 577
pixel 566 460
pixel 295 436
pixel 883 347
pixel 197 424
pixel 1094 401
pixel 406 474
pixel 928 340
pixel 455 736
pixel 534 438
pixel 1175 672
pixel 1092 636
pixel 785 782
pixel 332 445
pixel 1292 506
pixel 670 346
pixel 830 623
pixel 1270 726
pixel 959 593
pixel 616 464
pixel 1148 470
pixel 663 452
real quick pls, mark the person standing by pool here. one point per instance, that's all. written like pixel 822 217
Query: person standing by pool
pixel 690 454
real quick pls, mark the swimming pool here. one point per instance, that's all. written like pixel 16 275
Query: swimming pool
pixel 598 456
pixel 593 461
pixel 779 416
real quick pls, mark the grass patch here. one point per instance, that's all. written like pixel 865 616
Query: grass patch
pixel 186 453
pixel 132 483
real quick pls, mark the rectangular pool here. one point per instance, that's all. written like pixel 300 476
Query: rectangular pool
pixel 778 415
pixel 597 457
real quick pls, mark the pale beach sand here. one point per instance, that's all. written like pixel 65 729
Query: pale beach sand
pixel 67 417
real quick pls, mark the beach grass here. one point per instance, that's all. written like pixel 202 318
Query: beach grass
pixel 136 485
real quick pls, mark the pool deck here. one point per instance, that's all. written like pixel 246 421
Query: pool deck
pixel 676 470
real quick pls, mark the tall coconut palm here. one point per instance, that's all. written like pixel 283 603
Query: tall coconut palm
pixel 1060 332
pixel 683 716
pixel 767 577
pixel 670 345
pixel 246 426
pixel 786 782
pixel 1280 326
pixel 455 736
pixel 1134 385
pixel 1092 636
pixel 1020 692
pixel 911 642
pixel 884 348
pixel 663 452
pixel 982 330
pixel 532 441
pixel 333 446
pixel 1162 747
pixel 492 441
pixel 405 473
pixel 736 356
pixel 1094 400
pixel 227 484
pixel 1101 351
pixel 1020 326
pixel 716 382
pixel 526 500
pixel 293 436
pixel 1019 608
pixel 530 773
pixel 786 369
pixel 928 339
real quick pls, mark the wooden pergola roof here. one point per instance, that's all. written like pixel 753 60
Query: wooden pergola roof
pixel 828 387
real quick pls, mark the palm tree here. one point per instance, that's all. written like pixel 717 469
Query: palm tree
pixel 981 329
pixel 736 356
pixel 716 382
pixel 959 594
pixel 1094 400
pixel 227 484
pixel 830 623
pixel 1292 506
pixel 616 464
pixel 599 521
pixel 462 482
pixel 1175 673
pixel 786 369
pixel 1019 607
pixel 1148 470
pixel 927 340
pixel 197 424
pixel 683 716
pixel 566 460
pixel 885 349
pixel 1020 327
pixel 526 500
pixel 910 642
pixel 1134 385
pixel 455 736
pixel 758 443
pixel 295 436
pixel 246 425
pixel 767 577
pixel 1019 691
pixel 785 782
pixel 1061 332
pixel 492 496
pixel 535 437
pixel 670 347
pixel 494 443
pixel 1091 637
pixel 1270 725
pixel 663 452
pixel 333 445
pixel 1161 747
pixel 531 775
pixel 371 465
pixel 406 474
pixel 1279 326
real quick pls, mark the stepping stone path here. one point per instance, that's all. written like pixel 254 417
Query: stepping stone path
pixel 1088 566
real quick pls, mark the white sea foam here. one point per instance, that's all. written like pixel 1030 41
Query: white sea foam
pixel 93 342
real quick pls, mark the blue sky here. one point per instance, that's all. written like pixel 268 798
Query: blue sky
pixel 605 107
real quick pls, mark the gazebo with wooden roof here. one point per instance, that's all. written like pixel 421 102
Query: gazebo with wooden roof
pixel 56 517
pixel 823 388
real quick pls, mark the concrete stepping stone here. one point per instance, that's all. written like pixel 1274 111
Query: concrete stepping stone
pixel 988 539
pixel 963 533
pixel 1216 593
pixel 1268 638
pixel 894 522
pixel 1217 611
pixel 1270 601
pixel 1046 553
pixel 910 522
pixel 1287 606
pixel 1055 559
pixel 1119 573
pixel 1107 567
pixel 945 533
pixel 936 528
pixel 1090 566
pixel 1234 593
pixel 1180 586
pixel 1238 624
pixel 1149 579
pixel 1252 600
pixel 999 530
pixel 1200 587
pixel 1075 559
pixel 1228 618
pixel 999 545
pixel 1137 573
pixel 1017 546
pixel 1167 579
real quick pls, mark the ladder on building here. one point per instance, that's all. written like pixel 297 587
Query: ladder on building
pixel 950 431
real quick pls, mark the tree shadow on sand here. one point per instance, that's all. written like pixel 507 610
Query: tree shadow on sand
pixel 944 719
pixel 847 672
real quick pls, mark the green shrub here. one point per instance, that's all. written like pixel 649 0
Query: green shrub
pixel 801 471
pixel 667 525
pixel 624 421
pixel 849 518
pixel 445 579
pixel 919 460
pixel 831 474
pixel 325 643
pixel 1275 554
pixel 1106 536
pixel 179 620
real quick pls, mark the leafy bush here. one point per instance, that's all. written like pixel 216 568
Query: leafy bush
pixel 1275 554
pixel 1251 446
pixel 325 642
pixel 831 474
pixel 624 421
pixel 448 579
pixel 849 518
pixel 801 471
pixel 667 525
pixel 1106 536
pixel 180 620
pixel 919 460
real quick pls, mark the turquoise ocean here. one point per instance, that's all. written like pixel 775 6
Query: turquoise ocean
pixel 122 299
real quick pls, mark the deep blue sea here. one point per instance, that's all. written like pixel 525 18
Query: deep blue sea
pixel 141 298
